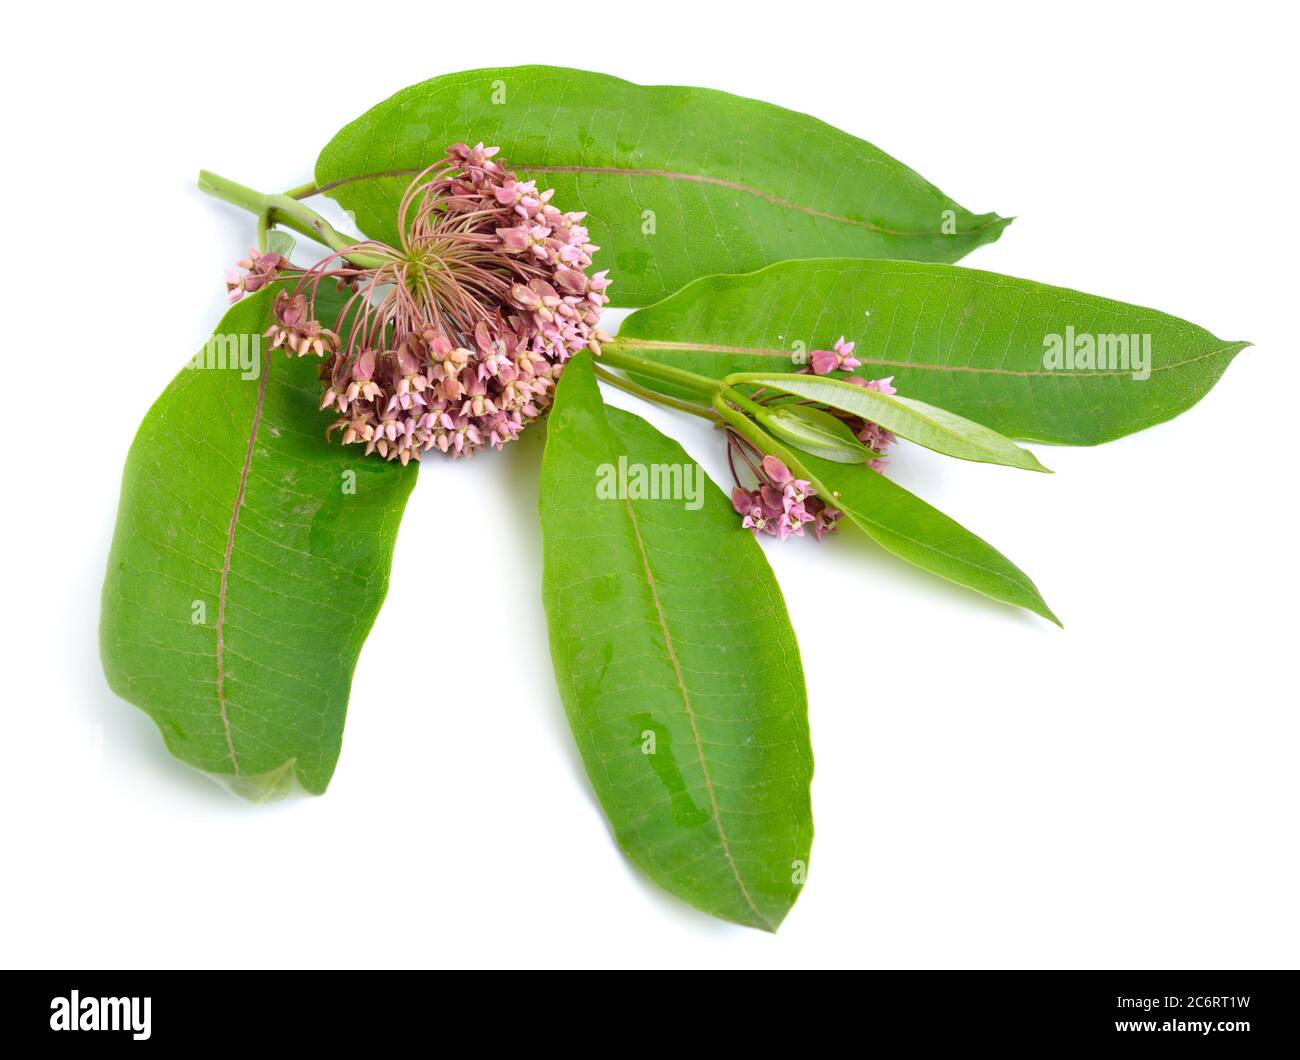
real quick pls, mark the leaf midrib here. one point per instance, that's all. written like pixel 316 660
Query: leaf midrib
pixel 668 174
pixel 1076 373
pixel 690 712
pixel 224 590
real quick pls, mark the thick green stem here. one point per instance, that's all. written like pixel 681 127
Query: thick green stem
pixel 646 394
pixel 611 353
pixel 764 442
pixel 733 395
pixel 281 209
pixel 738 421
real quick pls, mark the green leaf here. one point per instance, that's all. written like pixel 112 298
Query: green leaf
pixel 932 427
pixel 280 242
pixel 905 525
pixel 249 561
pixel 669 634
pixel 678 182
pixel 971 342
pixel 913 530
pixel 817 432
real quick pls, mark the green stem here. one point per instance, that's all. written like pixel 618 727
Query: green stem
pixel 730 393
pixel 646 394
pixel 764 442
pixel 281 209
pixel 738 421
pixel 611 353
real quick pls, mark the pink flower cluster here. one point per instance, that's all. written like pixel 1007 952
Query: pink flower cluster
pixel 872 435
pixel 296 331
pixel 782 504
pixel 455 338
pixel 260 269
pixel 841 358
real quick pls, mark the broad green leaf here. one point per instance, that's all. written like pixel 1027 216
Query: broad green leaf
pixel 905 525
pixel 932 427
pixel 817 432
pixel 249 561
pixel 679 182
pixel 975 343
pixel 676 663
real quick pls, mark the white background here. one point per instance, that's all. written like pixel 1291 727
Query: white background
pixel 990 790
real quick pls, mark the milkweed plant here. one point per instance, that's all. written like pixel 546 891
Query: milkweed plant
pixel 803 302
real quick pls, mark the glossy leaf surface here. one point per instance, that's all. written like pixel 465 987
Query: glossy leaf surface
pixel 678 182
pixel 932 427
pixel 676 663
pixel 974 343
pixel 249 561
pixel 910 528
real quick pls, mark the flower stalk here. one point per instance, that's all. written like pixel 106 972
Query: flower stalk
pixel 614 353
pixel 287 211
pixel 646 394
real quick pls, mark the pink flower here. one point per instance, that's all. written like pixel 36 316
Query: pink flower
pixel 825 518
pixel 838 359
pixel 781 505
pixel 749 505
pixel 823 362
pixel 466 361
pixel 261 270
pixel 295 331
pixel 775 470
pixel 871 434
pixel 881 386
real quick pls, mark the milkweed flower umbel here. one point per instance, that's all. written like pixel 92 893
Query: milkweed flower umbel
pixel 841 358
pixel 453 339
pixel 781 504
